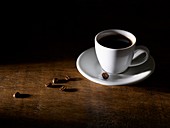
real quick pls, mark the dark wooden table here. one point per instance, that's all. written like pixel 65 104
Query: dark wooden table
pixel 83 104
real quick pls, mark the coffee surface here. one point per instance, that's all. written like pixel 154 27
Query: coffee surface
pixel 115 41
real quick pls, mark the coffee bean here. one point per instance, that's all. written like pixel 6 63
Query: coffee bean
pixel 67 77
pixel 55 80
pixel 16 95
pixel 105 75
pixel 63 88
pixel 48 84
pixel 59 81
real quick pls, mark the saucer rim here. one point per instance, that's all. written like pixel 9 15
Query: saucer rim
pixel 104 82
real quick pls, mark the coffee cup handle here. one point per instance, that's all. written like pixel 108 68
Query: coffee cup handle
pixel 141 55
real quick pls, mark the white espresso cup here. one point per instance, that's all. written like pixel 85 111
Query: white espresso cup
pixel 116 50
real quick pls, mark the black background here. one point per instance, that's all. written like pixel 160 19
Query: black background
pixel 36 30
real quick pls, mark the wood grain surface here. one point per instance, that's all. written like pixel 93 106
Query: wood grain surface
pixel 83 104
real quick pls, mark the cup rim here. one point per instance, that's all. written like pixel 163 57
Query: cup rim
pixel 125 33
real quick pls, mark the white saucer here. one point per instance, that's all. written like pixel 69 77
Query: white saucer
pixel 88 65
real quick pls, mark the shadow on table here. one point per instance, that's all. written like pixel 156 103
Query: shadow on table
pixel 36 123
pixel 158 81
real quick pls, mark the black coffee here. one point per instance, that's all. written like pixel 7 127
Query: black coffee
pixel 115 41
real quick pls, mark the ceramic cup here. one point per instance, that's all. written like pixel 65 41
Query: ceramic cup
pixel 114 56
